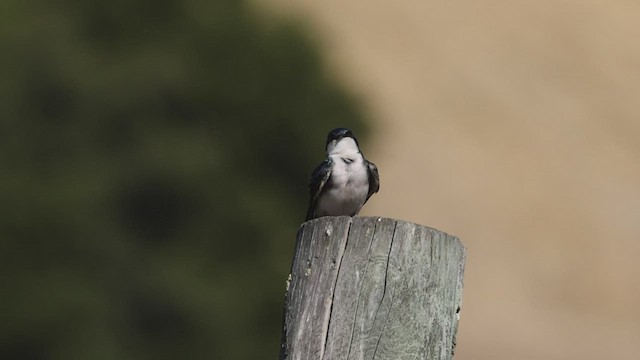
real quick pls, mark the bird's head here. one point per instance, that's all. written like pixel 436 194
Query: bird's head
pixel 341 141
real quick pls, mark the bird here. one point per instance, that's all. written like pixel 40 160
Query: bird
pixel 344 181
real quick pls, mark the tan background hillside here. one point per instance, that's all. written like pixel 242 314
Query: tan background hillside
pixel 516 126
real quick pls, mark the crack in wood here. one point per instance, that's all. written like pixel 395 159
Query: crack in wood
pixel 359 293
pixel 333 292
pixel 384 293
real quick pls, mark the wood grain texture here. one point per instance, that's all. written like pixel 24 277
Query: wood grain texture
pixel 372 288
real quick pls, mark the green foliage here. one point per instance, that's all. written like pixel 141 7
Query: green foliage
pixel 154 161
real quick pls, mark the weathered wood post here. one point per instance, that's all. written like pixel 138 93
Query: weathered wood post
pixel 372 288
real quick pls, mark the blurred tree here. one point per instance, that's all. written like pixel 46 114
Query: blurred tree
pixel 154 159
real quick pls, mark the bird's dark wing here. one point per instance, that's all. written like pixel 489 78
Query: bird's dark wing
pixel 374 179
pixel 318 180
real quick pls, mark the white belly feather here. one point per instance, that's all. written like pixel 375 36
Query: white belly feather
pixel 349 187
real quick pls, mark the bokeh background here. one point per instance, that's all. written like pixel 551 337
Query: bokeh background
pixel 154 159
pixel 155 155
pixel 516 126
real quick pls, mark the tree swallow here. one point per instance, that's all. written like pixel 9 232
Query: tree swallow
pixel 344 181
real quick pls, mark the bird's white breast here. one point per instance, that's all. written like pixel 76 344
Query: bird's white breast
pixel 349 186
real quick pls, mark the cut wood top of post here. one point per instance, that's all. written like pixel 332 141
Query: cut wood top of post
pixel 370 287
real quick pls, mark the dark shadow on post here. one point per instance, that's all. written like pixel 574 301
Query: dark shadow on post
pixel 372 288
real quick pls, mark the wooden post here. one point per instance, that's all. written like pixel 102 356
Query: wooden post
pixel 372 288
